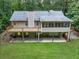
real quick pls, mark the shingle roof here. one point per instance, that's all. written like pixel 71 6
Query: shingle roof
pixel 19 16
pixel 42 15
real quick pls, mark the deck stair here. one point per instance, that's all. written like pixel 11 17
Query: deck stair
pixel 5 36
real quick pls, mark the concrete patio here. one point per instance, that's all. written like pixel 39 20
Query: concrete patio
pixel 40 40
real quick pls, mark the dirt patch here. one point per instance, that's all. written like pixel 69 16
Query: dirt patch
pixel 75 32
pixel 3 41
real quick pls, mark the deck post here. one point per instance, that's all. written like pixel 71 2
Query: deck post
pixel 41 26
pixel 38 36
pixel 22 35
pixel 69 32
pixel 68 38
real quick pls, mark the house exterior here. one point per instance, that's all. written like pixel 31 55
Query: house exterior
pixel 40 22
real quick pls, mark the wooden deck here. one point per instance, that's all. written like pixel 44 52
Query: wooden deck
pixel 24 30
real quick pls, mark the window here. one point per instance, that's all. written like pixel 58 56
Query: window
pixel 44 24
pixel 51 24
pixel 61 24
pixel 14 23
pixel 55 24
pixel 47 24
pixel 26 23
pixel 37 23
pixel 66 24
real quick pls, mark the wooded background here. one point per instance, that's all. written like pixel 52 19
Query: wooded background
pixel 69 7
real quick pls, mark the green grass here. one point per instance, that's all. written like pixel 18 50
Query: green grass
pixel 69 50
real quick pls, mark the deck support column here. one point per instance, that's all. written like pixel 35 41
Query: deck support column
pixel 68 39
pixel 22 35
pixel 38 36
pixel 68 36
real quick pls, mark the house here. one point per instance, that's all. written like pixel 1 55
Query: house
pixel 40 22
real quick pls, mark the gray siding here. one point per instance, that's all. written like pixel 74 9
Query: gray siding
pixel 19 24
pixel 55 29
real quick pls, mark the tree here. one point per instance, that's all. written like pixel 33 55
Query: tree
pixel 5 13
pixel 73 13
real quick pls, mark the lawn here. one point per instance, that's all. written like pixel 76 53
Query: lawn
pixel 69 50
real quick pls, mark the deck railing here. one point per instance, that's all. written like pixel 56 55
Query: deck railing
pixel 24 29
pixel 9 27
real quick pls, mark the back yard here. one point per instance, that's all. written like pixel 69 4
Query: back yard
pixel 69 50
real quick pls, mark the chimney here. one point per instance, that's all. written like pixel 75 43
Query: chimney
pixel 30 15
